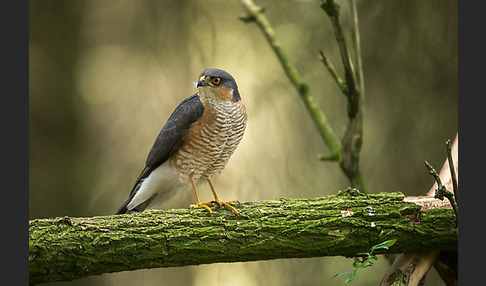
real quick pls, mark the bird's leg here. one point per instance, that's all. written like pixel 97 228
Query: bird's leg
pixel 198 202
pixel 220 203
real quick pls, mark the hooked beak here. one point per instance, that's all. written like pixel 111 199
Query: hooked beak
pixel 203 80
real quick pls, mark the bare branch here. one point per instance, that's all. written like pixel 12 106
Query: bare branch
pixel 452 169
pixel 255 14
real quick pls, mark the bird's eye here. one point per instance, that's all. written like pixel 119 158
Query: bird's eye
pixel 216 80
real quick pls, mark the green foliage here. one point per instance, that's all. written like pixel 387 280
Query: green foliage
pixel 367 260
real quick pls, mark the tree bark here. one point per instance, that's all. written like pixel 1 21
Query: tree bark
pixel 62 249
pixel 411 268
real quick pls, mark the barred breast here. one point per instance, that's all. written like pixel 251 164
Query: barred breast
pixel 212 140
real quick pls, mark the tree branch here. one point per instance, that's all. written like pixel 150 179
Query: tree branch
pixel 357 47
pixel 346 152
pixel 442 191
pixel 354 83
pixel 330 68
pixel 332 10
pixel 255 14
pixel 411 268
pixel 66 248
pixel 452 170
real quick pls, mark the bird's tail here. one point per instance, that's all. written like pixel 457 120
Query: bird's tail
pixel 123 209
pixel 140 208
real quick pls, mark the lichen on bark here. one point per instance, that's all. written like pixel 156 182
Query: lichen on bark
pixel 344 224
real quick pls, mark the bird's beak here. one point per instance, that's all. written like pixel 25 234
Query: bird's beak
pixel 203 80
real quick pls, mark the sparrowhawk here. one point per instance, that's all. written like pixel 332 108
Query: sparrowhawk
pixel 195 143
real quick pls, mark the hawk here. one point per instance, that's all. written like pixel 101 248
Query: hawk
pixel 195 143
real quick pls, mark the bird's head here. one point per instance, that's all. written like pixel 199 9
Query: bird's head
pixel 217 84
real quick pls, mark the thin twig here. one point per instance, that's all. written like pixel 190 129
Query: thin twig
pixel 441 190
pixel 332 10
pixel 434 174
pixel 347 151
pixel 452 169
pixel 330 67
pixel 353 137
pixel 255 14
pixel 357 47
pixel 322 157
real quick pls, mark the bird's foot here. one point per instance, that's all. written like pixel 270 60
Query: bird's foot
pixel 201 205
pixel 223 205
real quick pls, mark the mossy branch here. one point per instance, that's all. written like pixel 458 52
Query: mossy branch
pixel 62 249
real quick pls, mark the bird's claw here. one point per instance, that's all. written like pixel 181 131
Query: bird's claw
pixel 222 205
pixel 201 205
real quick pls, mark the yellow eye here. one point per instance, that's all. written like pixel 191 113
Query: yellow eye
pixel 216 80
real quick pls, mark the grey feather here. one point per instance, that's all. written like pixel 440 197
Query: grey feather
pixel 169 139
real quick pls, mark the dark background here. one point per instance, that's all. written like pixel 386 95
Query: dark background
pixel 104 77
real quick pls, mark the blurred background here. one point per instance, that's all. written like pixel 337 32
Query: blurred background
pixel 104 76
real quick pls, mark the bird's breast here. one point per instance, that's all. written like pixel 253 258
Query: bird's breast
pixel 211 140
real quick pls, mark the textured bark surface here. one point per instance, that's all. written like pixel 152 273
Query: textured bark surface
pixel 63 249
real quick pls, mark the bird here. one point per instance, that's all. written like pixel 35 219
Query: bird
pixel 195 144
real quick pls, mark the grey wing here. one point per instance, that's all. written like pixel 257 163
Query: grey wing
pixel 169 139
pixel 172 134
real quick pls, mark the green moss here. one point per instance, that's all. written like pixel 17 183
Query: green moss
pixel 69 248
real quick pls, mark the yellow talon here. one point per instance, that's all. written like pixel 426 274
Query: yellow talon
pixel 222 204
pixel 201 205
pixel 216 201
pixel 219 202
